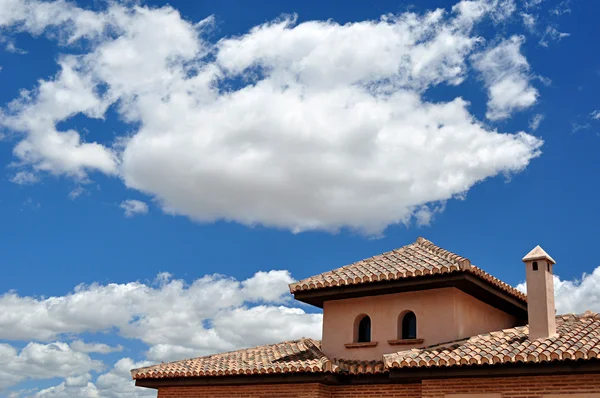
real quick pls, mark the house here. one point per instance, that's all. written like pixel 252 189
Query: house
pixel 418 321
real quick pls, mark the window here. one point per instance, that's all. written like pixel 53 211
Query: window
pixel 535 265
pixel 364 330
pixel 409 326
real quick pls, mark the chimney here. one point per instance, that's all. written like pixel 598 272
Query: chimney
pixel 540 293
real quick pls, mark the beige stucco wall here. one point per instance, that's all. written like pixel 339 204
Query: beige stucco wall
pixel 442 315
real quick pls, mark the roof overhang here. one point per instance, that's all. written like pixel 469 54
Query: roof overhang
pixel 464 281
pixel 589 366
pixel 237 380
pixel 393 376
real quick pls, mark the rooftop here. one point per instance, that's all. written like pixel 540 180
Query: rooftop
pixel 418 259
pixel 578 339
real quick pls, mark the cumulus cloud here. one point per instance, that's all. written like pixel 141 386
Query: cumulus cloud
pixel 169 313
pixel 175 320
pixel 78 386
pixel 42 361
pixel 506 74
pixel 133 207
pixel 287 125
pixel 595 115
pixel 114 384
pixel 36 16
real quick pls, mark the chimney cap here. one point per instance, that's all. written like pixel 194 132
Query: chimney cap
pixel 538 254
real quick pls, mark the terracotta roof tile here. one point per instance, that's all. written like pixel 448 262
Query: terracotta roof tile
pixel 578 337
pixel 297 356
pixel 417 259
pixel 351 366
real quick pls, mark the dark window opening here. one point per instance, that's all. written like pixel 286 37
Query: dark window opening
pixel 364 330
pixel 409 326
pixel 535 265
pixel 548 267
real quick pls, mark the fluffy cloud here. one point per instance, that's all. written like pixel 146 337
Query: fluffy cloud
pixel 595 115
pixel 506 74
pixel 42 361
pixel 174 319
pixel 114 384
pixel 167 314
pixel 288 125
pixel 133 207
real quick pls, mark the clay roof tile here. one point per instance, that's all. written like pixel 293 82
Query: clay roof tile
pixel 416 259
pixel 577 339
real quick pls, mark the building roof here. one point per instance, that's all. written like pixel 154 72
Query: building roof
pixel 417 259
pixel 538 254
pixel 578 338
pixel 296 356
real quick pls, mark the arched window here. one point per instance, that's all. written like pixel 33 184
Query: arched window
pixel 409 326
pixel 363 334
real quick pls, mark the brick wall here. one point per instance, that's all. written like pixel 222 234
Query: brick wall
pixel 510 387
pixel 514 387
pixel 377 390
pixel 252 391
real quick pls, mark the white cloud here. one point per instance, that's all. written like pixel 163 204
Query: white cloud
pixel 77 386
pixel 175 320
pixel 506 74
pixel 133 207
pixel 42 361
pixel 37 112
pixel 316 136
pixel 24 178
pixel 35 16
pixel 117 383
pixel 535 121
pixel 77 192
pixel 424 214
pixel 595 115
pixel 529 20
pixel 81 346
pixel 114 384
pixel 169 316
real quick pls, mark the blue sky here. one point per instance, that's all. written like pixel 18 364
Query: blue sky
pixel 148 147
